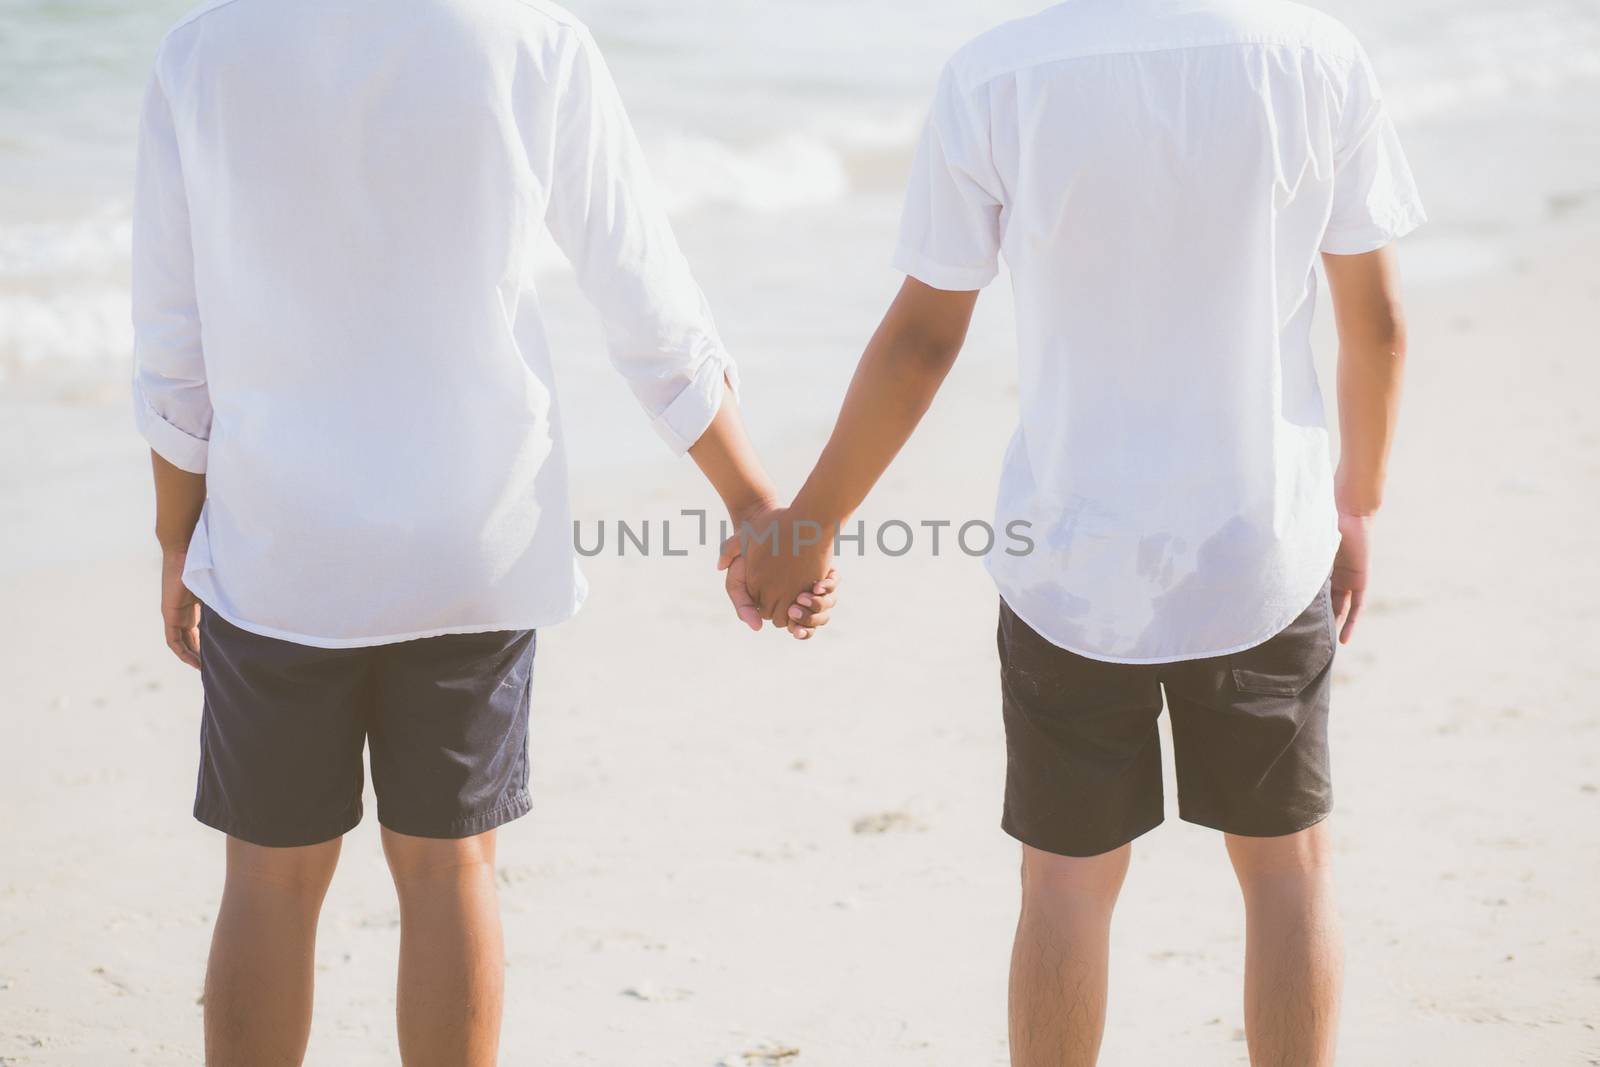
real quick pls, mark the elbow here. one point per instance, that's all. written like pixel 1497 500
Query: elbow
pixel 933 359
pixel 1384 336
pixel 1395 337
pixel 926 355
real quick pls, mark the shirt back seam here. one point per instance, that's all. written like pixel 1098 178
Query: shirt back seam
pixel 560 18
pixel 1349 58
pixel 197 14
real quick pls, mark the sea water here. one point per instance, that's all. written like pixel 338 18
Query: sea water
pixel 781 132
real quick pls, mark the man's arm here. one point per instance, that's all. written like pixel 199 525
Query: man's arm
pixel 172 402
pixel 179 497
pixel 726 457
pixel 605 215
pixel 900 373
pixel 1372 349
pixel 894 385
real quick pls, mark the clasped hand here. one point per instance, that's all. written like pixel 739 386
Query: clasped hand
pixel 779 570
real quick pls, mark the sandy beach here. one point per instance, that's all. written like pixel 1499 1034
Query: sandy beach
pixel 745 851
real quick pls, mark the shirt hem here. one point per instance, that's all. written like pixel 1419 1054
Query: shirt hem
pixel 1277 627
pixel 277 634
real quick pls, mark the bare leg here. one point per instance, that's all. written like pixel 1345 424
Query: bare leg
pixel 260 976
pixel 1293 958
pixel 1059 962
pixel 452 964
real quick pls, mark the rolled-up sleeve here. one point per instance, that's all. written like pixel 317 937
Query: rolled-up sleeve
pixel 172 406
pixel 607 218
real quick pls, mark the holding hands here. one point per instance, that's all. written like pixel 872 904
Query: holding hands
pixel 779 563
pixel 779 569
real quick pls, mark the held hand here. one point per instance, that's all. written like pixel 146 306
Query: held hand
pixel 180 611
pixel 778 570
pixel 732 561
pixel 744 605
pixel 785 555
pixel 812 610
pixel 1350 572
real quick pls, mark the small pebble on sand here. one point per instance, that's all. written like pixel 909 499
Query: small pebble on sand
pixel 767 1054
pixel 652 993
pixel 887 822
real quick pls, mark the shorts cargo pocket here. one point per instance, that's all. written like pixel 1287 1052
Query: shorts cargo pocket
pixel 1284 665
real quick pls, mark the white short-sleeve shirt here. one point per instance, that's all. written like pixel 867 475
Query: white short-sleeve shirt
pixel 336 210
pixel 1160 176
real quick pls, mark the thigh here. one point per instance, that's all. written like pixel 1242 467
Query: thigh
pixel 280 737
pixel 1250 731
pixel 1083 758
pixel 449 734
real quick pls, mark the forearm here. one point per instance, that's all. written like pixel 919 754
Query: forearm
pixel 1372 350
pixel 1370 373
pixel 894 385
pixel 727 458
pixel 179 498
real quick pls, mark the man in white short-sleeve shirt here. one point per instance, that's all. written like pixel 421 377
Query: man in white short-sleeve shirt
pixel 1162 178
pixel 342 373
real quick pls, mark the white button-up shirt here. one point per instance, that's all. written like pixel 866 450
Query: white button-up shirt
pixel 336 211
pixel 1160 176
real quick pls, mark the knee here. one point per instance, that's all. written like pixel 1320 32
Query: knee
pixel 421 860
pixel 302 873
pixel 1295 860
pixel 1049 879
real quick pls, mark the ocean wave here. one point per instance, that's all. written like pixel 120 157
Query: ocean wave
pixel 63 284
pixel 787 172
pixel 56 333
pixel 867 131
pixel 64 296
pixel 1490 55
pixel 64 288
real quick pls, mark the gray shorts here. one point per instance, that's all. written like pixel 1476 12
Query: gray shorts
pixel 284 725
pixel 1250 730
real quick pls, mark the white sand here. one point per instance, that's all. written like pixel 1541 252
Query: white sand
pixel 691 884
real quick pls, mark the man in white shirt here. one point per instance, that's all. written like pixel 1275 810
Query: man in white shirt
pixel 342 373
pixel 1161 177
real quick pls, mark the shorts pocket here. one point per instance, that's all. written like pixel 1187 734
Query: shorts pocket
pixel 1285 664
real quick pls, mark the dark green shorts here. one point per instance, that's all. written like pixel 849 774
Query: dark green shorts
pixel 284 725
pixel 1083 771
